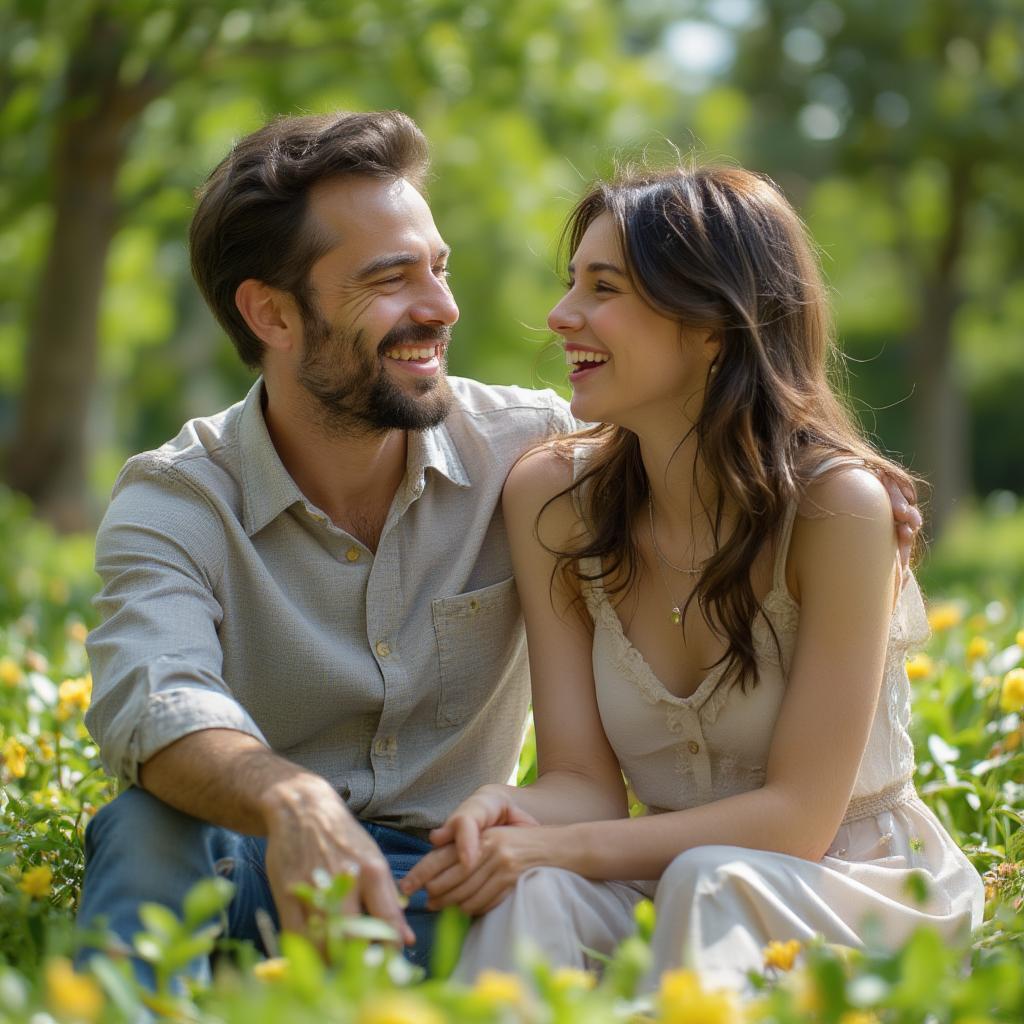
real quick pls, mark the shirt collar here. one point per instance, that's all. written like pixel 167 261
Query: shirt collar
pixel 266 485
pixel 268 489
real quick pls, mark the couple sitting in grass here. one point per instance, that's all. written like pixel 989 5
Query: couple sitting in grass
pixel 313 656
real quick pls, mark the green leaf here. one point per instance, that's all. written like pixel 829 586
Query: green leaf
pixel 160 921
pixel 305 967
pixel 205 899
pixel 449 934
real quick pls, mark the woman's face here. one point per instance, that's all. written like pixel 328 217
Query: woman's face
pixel 628 363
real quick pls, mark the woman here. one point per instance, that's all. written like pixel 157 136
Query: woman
pixel 713 606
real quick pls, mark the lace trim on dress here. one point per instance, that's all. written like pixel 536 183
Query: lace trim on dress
pixel 887 799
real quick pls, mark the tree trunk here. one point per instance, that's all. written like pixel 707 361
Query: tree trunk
pixel 939 404
pixel 47 456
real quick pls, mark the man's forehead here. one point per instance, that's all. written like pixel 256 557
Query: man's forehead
pixel 363 215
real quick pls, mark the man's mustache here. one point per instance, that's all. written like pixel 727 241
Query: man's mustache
pixel 440 334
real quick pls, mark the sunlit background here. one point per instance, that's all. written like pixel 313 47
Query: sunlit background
pixel 895 127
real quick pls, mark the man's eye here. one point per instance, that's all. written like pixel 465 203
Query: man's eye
pixel 391 280
pixel 442 272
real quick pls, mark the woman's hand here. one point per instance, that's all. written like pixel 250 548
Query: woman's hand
pixel 505 852
pixel 488 807
pixel 459 838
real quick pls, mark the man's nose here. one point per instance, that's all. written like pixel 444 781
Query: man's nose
pixel 436 306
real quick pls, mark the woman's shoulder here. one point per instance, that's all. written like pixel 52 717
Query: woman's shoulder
pixel 845 488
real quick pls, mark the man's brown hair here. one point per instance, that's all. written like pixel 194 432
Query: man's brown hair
pixel 251 219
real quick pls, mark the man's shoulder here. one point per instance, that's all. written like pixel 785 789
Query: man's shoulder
pixel 203 457
pixel 509 402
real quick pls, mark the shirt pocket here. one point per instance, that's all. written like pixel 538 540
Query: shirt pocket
pixel 477 634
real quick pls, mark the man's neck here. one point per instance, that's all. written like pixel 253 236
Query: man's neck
pixel 352 478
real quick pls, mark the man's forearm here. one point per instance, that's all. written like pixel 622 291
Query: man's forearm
pixel 227 778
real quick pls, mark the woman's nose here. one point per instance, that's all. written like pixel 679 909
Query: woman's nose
pixel 564 318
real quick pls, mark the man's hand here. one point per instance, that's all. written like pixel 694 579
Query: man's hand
pixel 308 827
pixel 907 516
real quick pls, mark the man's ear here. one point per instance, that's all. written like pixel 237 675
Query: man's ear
pixel 270 313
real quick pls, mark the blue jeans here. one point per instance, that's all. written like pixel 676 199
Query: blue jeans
pixel 140 850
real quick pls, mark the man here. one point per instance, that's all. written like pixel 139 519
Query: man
pixel 311 647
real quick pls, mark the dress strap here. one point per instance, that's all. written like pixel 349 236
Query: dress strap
pixel 786 532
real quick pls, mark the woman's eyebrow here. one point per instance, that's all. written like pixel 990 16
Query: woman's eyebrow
pixel 599 267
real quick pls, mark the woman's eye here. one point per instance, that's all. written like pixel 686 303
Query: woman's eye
pixel 603 286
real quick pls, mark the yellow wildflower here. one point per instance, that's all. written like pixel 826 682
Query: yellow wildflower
pixel 74 695
pixel 274 969
pixel 976 623
pixel 781 955
pixel 978 647
pixel 72 997
pixel 859 1017
pixel 398 1008
pixel 45 748
pixel 495 988
pixel 803 987
pixel 944 616
pixel 1019 638
pixel 920 666
pixel 682 1000
pixel 15 756
pixel 10 672
pixel 36 882
pixel 78 632
pixel 1011 697
pixel 568 978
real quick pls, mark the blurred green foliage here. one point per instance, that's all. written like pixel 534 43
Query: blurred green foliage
pixel 870 115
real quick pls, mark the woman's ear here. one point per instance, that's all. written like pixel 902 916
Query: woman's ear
pixel 271 314
pixel 713 350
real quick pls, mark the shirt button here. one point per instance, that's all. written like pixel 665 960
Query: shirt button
pixel 382 648
pixel 352 554
pixel 318 517
pixel 693 747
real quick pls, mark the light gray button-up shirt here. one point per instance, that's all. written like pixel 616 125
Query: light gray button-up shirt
pixel 230 601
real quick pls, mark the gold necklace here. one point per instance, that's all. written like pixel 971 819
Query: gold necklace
pixel 676 615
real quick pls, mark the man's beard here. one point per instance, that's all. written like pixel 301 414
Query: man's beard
pixel 352 391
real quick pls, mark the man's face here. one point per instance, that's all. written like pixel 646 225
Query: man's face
pixel 376 335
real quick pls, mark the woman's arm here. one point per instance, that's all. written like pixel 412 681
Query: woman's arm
pixel 842 566
pixel 579 778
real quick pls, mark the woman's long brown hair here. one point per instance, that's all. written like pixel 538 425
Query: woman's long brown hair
pixel 720 249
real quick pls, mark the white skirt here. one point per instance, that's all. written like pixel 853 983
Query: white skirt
pixel 719 906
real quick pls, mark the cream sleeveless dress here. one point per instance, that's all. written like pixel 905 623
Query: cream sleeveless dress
pixel 719 906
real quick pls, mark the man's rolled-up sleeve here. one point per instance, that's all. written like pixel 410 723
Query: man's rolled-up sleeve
pixel 156 658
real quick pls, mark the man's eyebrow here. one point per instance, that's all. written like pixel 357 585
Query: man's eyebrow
pixel 397 259
pixel 598 267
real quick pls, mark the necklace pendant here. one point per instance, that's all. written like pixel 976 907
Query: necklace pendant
pixel 676 617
